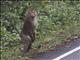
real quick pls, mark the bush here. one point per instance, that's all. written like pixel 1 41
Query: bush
pixel 60 22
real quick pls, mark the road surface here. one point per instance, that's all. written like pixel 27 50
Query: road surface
pixel 69 52
pixel 73 56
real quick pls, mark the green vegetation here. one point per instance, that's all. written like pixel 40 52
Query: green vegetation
pixel 60 23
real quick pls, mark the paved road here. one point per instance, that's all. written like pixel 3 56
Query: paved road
pixel 73 56
pixel 58 51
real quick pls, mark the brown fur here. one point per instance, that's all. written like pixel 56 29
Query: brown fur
pixel 28 31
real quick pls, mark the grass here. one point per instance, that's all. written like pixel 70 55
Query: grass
pixel 47 42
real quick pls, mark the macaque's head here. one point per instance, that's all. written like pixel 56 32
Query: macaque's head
pixel 32 13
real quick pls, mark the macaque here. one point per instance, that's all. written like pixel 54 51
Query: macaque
pixel 28 31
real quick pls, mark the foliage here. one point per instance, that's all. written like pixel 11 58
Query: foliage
pixel 58 21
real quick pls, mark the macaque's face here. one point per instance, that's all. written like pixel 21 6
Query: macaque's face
pixel 33 14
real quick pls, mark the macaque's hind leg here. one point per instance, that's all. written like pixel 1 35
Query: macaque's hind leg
pixel 26 44
pixel 32 35
pixel 29 46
